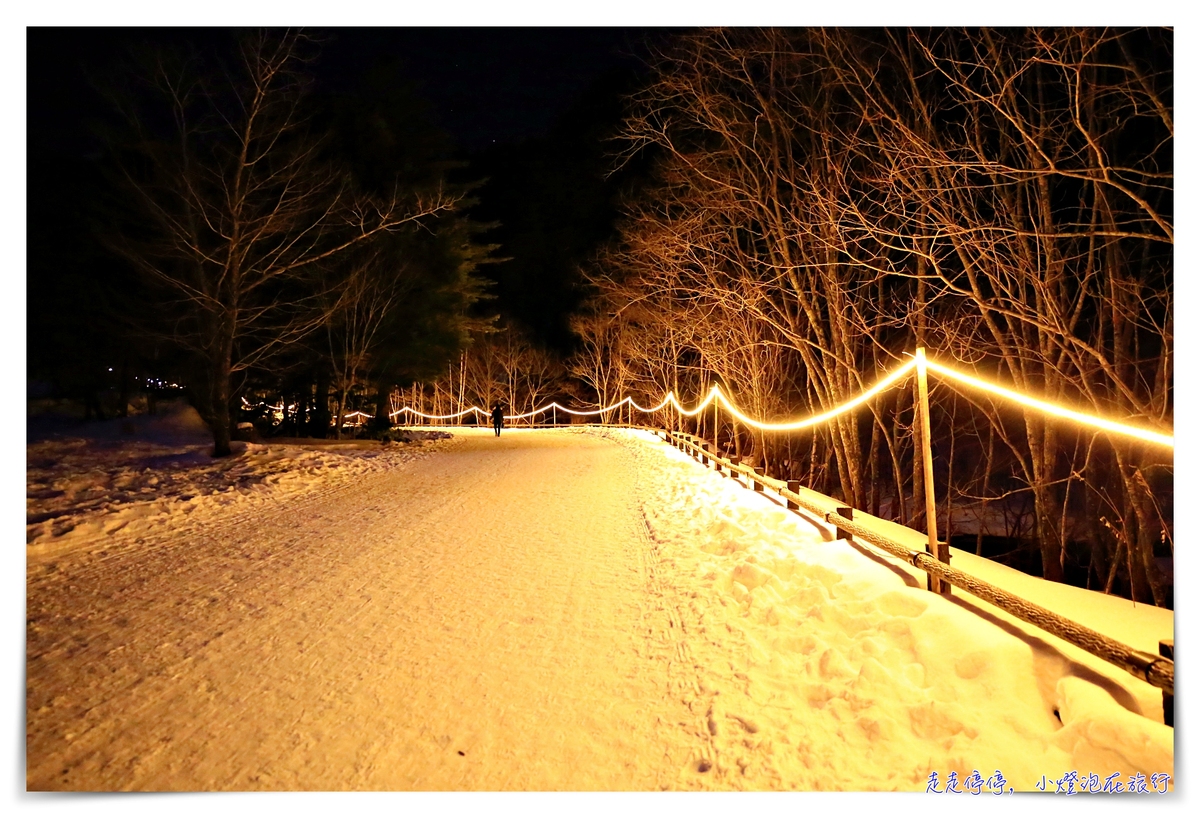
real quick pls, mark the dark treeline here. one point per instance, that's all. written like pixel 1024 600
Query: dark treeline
pixel 353 265
pixel 253 234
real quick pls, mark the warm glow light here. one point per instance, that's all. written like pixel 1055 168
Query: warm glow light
pixel 260 403
pixel 892 379
pixel 709 398
pixel 577 412
pixel 438 417
pixel 541 410
pixel 1054 408
pixel 896 375
pixel 670 396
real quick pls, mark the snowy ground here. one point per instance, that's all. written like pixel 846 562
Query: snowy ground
pixel 552 610
pixel 827 666
pixel 85 482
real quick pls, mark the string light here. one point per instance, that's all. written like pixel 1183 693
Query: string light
pixel 541 410
pixel 262 403
pixel 716 394
pixel 888 381
pixel 412 411
pixel 576 412
pixel 1053 408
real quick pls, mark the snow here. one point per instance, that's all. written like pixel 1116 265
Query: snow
pixel 551 610
pixel 147 473
pixel 893 682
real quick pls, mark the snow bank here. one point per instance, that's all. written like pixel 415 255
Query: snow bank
pixel 824 665
pixel 147 474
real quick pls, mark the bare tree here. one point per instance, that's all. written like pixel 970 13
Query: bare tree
pixel 353 326
pixel 599 360
pixel 238 208
pixel 1046 213
pixel 826 200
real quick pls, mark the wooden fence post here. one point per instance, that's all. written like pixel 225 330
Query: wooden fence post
pixel 794 487
pixel 1166 648
pixel 848 513
pixel 941 551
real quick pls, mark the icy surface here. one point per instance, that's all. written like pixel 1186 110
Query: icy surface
pixel 550 610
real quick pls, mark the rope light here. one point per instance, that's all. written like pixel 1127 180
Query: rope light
pixel 896 375
pixel 542 410
pixel 700 407
pixel 412 411
pixel 1053 408
pixel 670 396
pixel 576 412
pixel 261 403
pixel 888 381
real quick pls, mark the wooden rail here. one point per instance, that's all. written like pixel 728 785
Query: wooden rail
pixel 1157 670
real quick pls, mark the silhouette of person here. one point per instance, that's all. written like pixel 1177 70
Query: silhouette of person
pixel 497 417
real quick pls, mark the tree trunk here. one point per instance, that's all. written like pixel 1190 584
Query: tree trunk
pixel 916 518
pixel 900 509
pixel 987 478
pixel 301 418
pixel 1041 458
pixel 320 413
pixel 341 415
pixel 220 377
pixel 876 442
pixel 1141 540
pixel 382 420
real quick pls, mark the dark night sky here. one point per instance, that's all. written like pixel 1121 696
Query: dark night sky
pixel 501 94
pixel 492 85
pixel 486 85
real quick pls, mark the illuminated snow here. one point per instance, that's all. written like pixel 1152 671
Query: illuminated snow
pixel 560 609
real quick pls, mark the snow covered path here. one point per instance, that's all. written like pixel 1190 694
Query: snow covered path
pixel 451 624
pixel 553 610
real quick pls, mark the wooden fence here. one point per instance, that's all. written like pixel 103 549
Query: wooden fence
pixel 1159 671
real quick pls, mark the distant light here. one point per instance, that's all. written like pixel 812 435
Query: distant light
pixel 110 369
